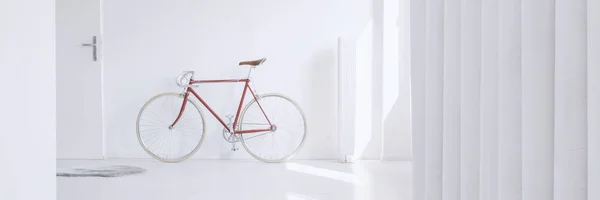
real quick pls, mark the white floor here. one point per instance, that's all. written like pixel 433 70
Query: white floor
pixel 224 180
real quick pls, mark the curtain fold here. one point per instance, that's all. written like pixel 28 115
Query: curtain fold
pixel 538 98
pixel 570 131
pixel 451 123
pixel 505 99
pixel 593 78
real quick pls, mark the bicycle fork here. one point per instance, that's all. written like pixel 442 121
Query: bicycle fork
pixel 185 98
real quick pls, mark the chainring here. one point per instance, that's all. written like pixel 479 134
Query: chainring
pixel 230 137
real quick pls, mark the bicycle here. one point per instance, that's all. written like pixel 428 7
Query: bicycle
pixel 170 131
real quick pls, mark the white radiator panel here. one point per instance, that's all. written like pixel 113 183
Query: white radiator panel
pixel 346 97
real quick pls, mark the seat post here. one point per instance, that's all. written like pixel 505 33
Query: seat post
pixel 250 81
pixel 250 72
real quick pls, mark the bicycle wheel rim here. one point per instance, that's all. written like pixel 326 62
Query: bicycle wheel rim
pixel 297 131
pixel 170 144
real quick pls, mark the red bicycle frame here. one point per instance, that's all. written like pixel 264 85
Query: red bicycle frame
pixel 237 115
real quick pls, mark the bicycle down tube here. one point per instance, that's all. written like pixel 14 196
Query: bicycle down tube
pixel 239 110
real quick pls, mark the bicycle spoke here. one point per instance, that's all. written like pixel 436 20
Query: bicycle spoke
pixel 170 144
pixel 191 129
pixel 150 125
pixel 162 143
pixel 165 106
pixel 288 138
pixel 181 122
pixel 186 134
pixel 189 136
pixel 256 136
pixel 173 108
pixel 151 120
pixel 156 117
pixel 151 133
pixel 157 141
pixel 151 129
pixel 163 146
pixel 174 144
pixel 274 142
pixel 155 137
pixel 255 123
pixel 285 140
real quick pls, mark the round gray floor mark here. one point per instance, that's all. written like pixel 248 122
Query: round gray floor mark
pixel 107 171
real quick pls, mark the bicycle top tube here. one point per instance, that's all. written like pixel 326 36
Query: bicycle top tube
pixel 192 81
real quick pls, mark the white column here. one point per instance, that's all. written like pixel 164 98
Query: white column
pixel 570 169
pixel 593 78
pixel 470 98
pixel 434 70
pixel 489 101
pixel 417 32
pixel 538 98
pixel 452 65
pixel 27 109
pixel 509 102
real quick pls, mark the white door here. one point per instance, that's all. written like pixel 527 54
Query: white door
pixel 78 80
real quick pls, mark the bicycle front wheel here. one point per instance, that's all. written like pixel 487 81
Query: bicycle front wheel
pixel 289 130
pixel 159 139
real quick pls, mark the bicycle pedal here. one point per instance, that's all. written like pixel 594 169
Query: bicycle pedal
pixel 234 148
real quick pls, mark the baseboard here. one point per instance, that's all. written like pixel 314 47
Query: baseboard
pixel 80 158
pixel 341 159
pixel 346 159
pixel 206 158
pixel 396 158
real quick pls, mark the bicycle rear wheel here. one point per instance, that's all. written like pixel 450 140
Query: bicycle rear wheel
pixel 289 133
pixel 165 143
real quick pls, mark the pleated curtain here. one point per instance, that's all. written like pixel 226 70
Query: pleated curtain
pixel 505 99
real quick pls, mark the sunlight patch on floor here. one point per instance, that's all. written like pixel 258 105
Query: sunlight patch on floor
pixel 294 196
pixel 327 173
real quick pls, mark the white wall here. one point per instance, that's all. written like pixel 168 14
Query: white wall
pixel 147 43
pixel 27 81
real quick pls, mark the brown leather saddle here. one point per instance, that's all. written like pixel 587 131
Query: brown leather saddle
pixel 253 62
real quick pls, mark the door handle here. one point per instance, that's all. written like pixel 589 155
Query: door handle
pixel 94 47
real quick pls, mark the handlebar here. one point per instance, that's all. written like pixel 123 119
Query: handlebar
pixel 183 80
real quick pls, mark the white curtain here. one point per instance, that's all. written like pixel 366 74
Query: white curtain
pixel 505 99
pixel 593 78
